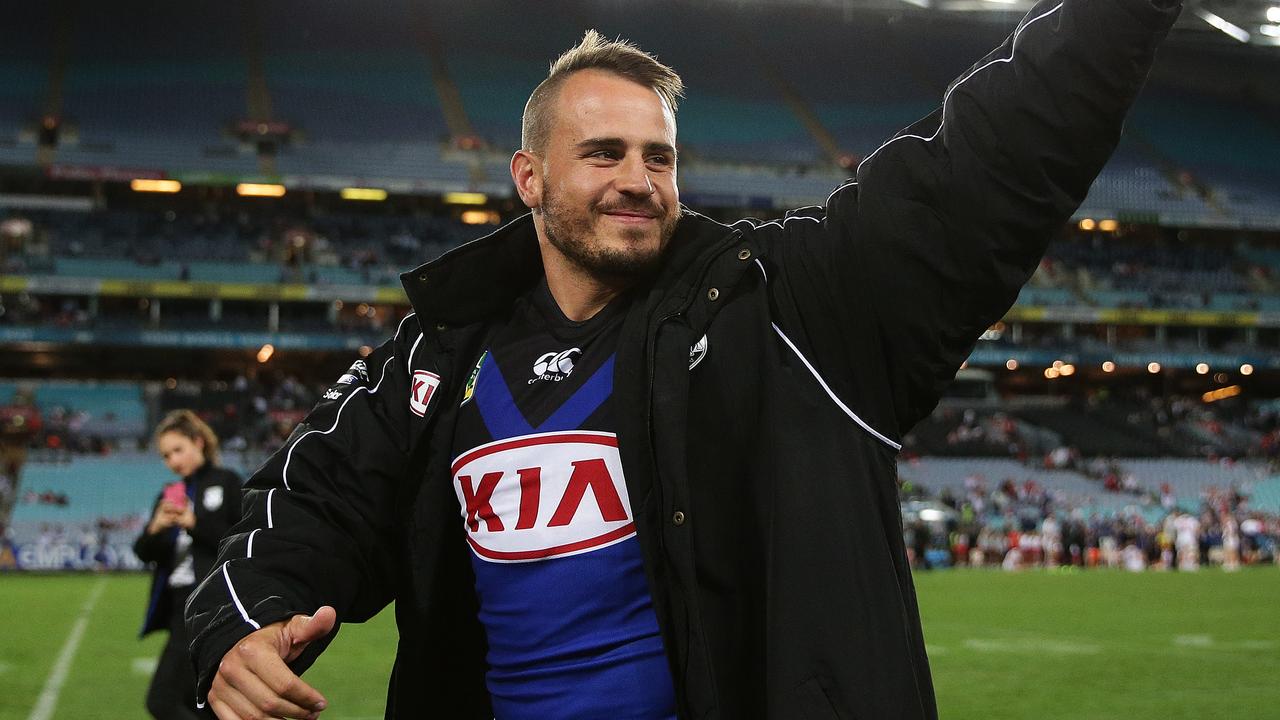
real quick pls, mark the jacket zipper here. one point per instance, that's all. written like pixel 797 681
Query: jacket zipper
pixel 651 354
pixel 650 357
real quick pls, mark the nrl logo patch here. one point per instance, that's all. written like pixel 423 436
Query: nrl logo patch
pixel 471 381
pixel 697 352
pixel 421 388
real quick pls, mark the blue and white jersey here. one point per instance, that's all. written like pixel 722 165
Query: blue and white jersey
pixel 563 596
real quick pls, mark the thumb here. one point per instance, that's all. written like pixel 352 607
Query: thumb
pixel 302 629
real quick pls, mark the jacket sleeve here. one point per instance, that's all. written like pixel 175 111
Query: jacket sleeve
pixel 319 517
pixel 212 526
pixel 157 548
pixel 894 281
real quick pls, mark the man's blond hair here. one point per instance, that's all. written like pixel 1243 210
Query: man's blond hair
pixel 595 52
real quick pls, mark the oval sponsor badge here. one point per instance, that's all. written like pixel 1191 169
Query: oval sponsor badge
pixel 542 496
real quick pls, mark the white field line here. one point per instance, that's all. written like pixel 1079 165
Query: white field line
pixel 53 685
pixel 1036 646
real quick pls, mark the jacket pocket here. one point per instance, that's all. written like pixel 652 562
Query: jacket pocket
pixel 808 701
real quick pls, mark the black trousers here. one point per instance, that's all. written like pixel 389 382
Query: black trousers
pixel 172 695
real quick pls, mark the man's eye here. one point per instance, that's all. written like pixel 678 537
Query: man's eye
pixel 660 160
pixel 605 154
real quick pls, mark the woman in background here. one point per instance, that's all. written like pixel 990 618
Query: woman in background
pixel 181 543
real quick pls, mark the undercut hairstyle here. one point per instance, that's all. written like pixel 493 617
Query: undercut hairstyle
pixel 595 52
pixel 190 426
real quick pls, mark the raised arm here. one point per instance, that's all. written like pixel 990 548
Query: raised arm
pixel 895 280
pixel 319 527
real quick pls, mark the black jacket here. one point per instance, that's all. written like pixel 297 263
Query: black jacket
pixel 762 481
pixel 215 493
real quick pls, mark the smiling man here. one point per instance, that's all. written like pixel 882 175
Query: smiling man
pixel 599 171
pixel 627 462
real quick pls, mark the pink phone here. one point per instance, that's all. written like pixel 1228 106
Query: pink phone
pixel 176 493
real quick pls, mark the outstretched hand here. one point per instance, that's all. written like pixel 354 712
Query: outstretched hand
pixel 254 680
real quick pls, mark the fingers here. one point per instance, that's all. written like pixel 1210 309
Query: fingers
pixel 223 710
pixel 232 705
pixel 254 682
pixel 252 697
pixel 301 630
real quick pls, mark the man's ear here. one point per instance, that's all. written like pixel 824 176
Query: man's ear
pixel 526 173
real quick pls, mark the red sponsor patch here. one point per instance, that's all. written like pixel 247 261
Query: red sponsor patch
pixel 421 388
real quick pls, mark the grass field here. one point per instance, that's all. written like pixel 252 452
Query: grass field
pixel 1157 646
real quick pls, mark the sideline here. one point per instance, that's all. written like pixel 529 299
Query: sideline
pixel 48 700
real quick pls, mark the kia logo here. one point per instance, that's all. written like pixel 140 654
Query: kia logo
pixel 543 495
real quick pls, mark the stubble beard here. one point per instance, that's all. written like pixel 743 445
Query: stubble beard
pixel 572 233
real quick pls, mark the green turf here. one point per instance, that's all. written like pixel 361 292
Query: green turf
pixel 1040 645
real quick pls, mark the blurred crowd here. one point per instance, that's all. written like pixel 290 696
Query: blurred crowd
pixel 1024 525
pixel 1068 435
pixel 252 414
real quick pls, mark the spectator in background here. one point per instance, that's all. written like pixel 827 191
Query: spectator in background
pixel 180 543
pixel 20 420
pixel 1187 529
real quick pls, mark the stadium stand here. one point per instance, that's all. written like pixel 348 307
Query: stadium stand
pixel 425 99
pixel 1069 488
pixel 80 415
pixel 391 95
pixel 1266 496
pixel 1189 480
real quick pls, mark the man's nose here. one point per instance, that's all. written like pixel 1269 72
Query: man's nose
pixel 633 179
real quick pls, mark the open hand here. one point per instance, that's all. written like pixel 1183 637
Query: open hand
pixel 253 679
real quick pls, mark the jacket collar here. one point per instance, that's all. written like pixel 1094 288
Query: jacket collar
pixel 481 279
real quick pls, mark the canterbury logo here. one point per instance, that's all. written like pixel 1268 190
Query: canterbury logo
pixel 555 366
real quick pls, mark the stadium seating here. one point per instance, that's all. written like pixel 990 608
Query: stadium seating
pixel 112 410
pixel 1190 478
pixel 361 91
pixel 118 489
pixel 1102 431
pixel 94 487
pixel 1266 496
pixel 1046 296
pixel 1131 186
pixel 1072 489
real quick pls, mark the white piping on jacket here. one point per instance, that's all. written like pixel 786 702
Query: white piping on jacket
pixel 236 598
pixel 1013 48
pixel 248 553
pixel 284 475
pixel 823 383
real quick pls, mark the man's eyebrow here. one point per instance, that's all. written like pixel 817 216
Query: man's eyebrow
pixel 600 142
pixel 659 147
pixel 616 142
